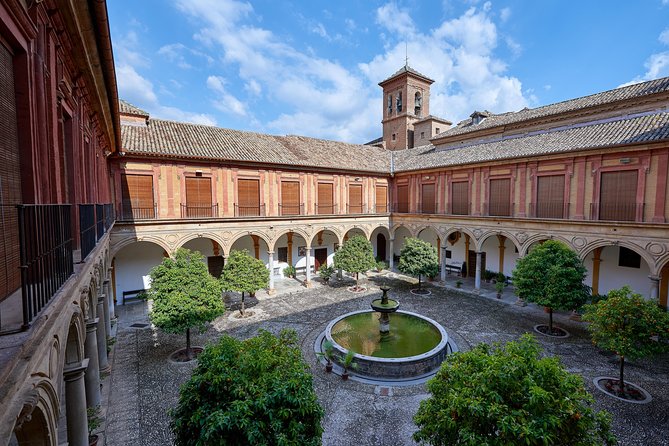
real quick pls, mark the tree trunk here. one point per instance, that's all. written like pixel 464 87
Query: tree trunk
pixel 241 310
pixel 356 281
pixel 419 282
pixel 550 321
pixel 622 382
pixel 188 350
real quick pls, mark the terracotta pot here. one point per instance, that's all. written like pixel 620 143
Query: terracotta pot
pixel 328 367
pixel 344 375
pixel 499 295
pixel 93 440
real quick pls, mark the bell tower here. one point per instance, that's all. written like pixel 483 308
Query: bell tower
pixel 406 99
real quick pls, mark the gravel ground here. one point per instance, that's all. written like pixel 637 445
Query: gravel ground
pixel 144 384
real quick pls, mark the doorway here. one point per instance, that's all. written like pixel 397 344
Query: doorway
pixel 320 258
pixel 381 247
pixel 471 271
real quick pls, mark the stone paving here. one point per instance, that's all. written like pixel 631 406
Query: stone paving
pixel 144 384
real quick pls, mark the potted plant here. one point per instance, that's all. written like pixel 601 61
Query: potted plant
pixel 325 272
pixel 289 271
pixel 348 364
pixel 381 265
pixel 500 277
pixel 458 284
pixel 499 287
pixel 94 422
pixel 328 349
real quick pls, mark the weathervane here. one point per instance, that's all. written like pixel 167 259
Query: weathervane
pixel 406 54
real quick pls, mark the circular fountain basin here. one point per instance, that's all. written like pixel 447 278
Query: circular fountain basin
pixel 415 346
pixel 388 307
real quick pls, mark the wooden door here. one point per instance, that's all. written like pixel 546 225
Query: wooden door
pixel 471 272
pixel 325 198
pixel 320 258
pixel 137 197
pixel 381 247
pixel 460 198
pixel 355 199
pixel 290 198
pixel 499 202
pixel 248 195
pixel 403 199
pixel 198 197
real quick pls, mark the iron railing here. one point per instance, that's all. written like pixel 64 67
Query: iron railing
pixel 381 209
pixel 549 209
pixel 459 208
pixel 45 238
pixel 100 220
pixel 130 212
pixel 250 211
pixel 355 208
pixel 325 209
pixel 291 209
pixel 109 216
pixel 199 210
pixel 429 207
pixel 617 211
pixel 87 229
pixel 503 209
pixel 401 208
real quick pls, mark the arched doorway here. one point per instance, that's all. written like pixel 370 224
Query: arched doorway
pixel 612 266
pixel 212 252
pixel 131 268
pixel 381 247
pixel 34 431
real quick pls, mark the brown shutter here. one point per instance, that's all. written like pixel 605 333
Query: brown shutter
pixel 10 179
pixel 428 199
pixel 248 192
pixel 550 196
pixel 500 197
pixel 325 203
pixel 403 199
pixel 617 197
pixel 198 197
pixel 137 196
pixel 381 199
pixel 290 198
pixel 460 198
pixel 355 199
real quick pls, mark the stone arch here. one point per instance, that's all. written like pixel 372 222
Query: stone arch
pixel 190 236
pixel 509 236
pixel 132 264
pixel 363 228
pixel 432 227
pixel 37 421
pixel 541 237
pixel 270 241
pixel 74 345
pixel 650 261
pixel 88 302
pixel 332 229
pixel 471 235
pixel 395 227
pixel 119 245
pixel 380 238
pixel 499 257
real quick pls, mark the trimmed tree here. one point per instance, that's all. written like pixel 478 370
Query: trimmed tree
pixel 184 294
pixel 418 258
pixel 258 391
pixel 628 325
pixel 551 275
pixel 355 256
pixel 509 394
pixel 244 274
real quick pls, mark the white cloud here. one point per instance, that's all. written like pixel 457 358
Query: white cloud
pixel 664 36
pixel 319 29
pixel 515 48
pixel 657 65
pixel 225 102
pixel 394 19
pixel 253 87
pixel 505 14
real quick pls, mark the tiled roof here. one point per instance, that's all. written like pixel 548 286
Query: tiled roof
pixel 618 94
pixel 406 69
pixel 183 140
pixel 433 118
pixel 644 128
pixel 129 109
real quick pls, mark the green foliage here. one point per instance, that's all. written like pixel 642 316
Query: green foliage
pixel 184 294
pixel 500 277
pixel 252 392
pixel 244 273
pixel 381 265
pixel 509 395
pixel 355 256
pixel 325 272
pixel 289 271
pixel 551 275
pixel 328 351
pixel 626 323
pixel 418 258
pixel 94 419
pixel 499 287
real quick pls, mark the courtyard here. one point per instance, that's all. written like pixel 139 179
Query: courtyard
pixel 144 384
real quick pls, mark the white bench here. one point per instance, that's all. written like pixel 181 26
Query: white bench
pixel 454 266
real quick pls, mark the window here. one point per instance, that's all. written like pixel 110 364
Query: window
pixel 448 253
pixel 422 135
pixel 418 104
pixel 500 197
pixel 282 254
pixel 248 194
pixel 436 131
pixel 628 258
pixel 390 104
pixel 381 199
pixel 550 196
pixel 617 195
pixel 460 198
pixel 428 199
pixel 393 137
pixel 325 203
pixel 399 102
pixel 137 197
pixel 198 198
pixel 403 199
pixel 290 198
pixel 355 199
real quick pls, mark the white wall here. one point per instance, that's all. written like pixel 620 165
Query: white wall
pixel 612 276
pixel 203 245
pixel 132 263
pixel 457 250
pixel 400 234
pixel 491 248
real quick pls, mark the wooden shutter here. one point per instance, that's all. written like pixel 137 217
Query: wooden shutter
pixel 428 199
pixel 248 193
pixel 198 197
pixel 403 199
pixel 381 199
pixel 10 179
pixel 460 198
pixel 325 203
pixel 550 196
pixel 290 198
pixel 355 199
pixel 500 197
pixel 617 196
pixel 137 196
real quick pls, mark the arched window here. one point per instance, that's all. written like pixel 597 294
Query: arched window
pixel 418 103
pixel 390 104
pixel 399 102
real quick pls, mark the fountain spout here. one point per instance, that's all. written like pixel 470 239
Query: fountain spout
pixel 385 306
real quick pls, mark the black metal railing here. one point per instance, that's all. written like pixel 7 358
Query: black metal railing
pixel 100 220
pixel 549 209
pixel 291 209
pixel 325 209
pixel 617 211
pixel 250 211
pixel 355 208
pixel 401 208
pixel 87 229
pixel 502 209
pixel 381 209
pixel 459 208
pixel 45 238
pixel 199 210
pixel 429 207
pixel 130 212
pixel 109 216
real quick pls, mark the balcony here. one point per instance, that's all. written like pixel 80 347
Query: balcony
pixel 250 211
pixel 291 209
pixel 550 209
pixel 132 212
pixel 504 209
pixel 617 211
pixel 207 210
pixel 356 209
pixel 324 209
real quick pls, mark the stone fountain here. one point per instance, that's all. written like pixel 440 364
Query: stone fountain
pixel 385 306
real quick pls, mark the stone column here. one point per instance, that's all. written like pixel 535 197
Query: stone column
pixel 92 377
pixel 75 404
pixel 102 338
pixel 106 312
pixel 477 278
pixel 307 283
pixel 654 286
pixel 596 260
pixel 443 263
pixel 391 260
pixel 271 291
pixel 111 299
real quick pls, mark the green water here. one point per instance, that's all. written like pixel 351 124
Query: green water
pixel 409 335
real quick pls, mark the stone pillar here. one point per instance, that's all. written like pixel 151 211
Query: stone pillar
pixel 75 404
pixel 596 260
pixel 502 241
pixel 92 377
pixel 102 338
pixel 391 260
pixel 307 282
pixel 443 263
pixel 106 312
pixel 654 286
pixel 271 291
pixel 111 299
pixel 477 278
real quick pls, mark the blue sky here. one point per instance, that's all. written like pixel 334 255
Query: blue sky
pixel 312 68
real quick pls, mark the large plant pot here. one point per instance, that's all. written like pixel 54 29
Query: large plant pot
pixel 93 440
